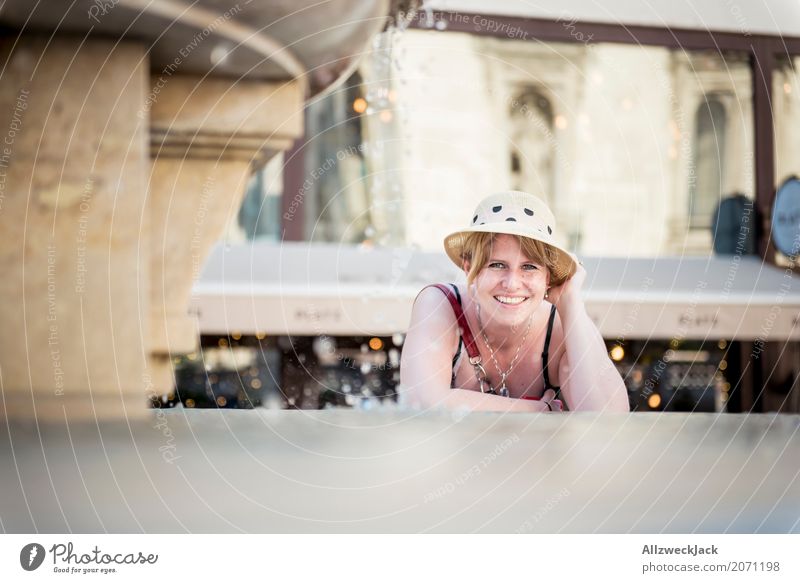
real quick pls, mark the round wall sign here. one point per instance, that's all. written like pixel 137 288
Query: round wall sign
pixel 786 218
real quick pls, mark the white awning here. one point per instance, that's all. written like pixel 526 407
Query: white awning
pixel 341 290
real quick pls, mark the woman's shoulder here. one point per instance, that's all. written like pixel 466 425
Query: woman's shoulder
pixel 434 305
pixel 433 314
pixel 436 294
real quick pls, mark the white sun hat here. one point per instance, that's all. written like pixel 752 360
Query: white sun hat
pixel 514 213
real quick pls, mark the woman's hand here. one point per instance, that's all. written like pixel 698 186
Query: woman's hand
pixel 549 397
pixel 568 295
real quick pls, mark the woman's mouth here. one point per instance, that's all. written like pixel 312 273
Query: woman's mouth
pixel 510 300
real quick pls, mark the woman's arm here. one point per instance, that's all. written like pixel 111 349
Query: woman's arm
pixel 589 380
pixel 427 358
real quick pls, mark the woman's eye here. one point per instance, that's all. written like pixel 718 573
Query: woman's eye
pixel 531 267
pixel 496 265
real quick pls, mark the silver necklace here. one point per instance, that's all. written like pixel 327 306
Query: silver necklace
pixel 503 391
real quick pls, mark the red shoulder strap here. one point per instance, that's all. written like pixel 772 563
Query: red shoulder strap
pixel 461 318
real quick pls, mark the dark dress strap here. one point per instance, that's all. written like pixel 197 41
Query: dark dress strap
pixel 460 339
pixel 546 352
pixel 461 318
pixel 465 337
pixel 467 340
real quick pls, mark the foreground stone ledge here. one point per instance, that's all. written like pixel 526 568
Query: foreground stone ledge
pixel 402 471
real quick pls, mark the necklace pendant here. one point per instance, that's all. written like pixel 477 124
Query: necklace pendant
pixel 503 391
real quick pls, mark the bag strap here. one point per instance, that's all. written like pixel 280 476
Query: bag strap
pixel 463 325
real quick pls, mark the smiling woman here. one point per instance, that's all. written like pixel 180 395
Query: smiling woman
pixel 519 319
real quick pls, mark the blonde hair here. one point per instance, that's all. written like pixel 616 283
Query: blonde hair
pixel 476 249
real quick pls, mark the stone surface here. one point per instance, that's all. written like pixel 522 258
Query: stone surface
pixel 191 201
pixel 400 471
pixel 221 119
pixel 72 217
pixel 207 135
pixel 266 40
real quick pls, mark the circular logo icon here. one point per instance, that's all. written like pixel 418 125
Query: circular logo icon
pixel 31 556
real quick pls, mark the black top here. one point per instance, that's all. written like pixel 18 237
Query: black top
pixel 545 350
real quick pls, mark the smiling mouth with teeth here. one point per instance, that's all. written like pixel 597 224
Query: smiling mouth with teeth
pixel 510 301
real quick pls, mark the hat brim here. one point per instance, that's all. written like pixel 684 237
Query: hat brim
pixel 563 269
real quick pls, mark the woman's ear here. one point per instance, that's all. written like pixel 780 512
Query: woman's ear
pixel 465 265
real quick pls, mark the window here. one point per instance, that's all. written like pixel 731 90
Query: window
pixel 786 112
pixel 632 146
pixel 705 186
pixel 259 215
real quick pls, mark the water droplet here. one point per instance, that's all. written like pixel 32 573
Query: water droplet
pixel 459 413
pixel 273 403
pixel 220 53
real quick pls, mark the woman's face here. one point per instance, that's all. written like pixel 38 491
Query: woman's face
pixel 510 286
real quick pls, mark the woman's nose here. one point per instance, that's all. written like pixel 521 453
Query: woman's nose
pixel 512 279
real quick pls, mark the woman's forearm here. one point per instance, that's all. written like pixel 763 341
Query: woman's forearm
pixel 475 401
pixel 594 382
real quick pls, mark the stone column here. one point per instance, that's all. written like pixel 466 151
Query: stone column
pixel 207 137
pixel 114 185
pixel 74 163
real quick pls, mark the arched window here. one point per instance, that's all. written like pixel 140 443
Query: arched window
pixel 708 164
pixel 532 143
